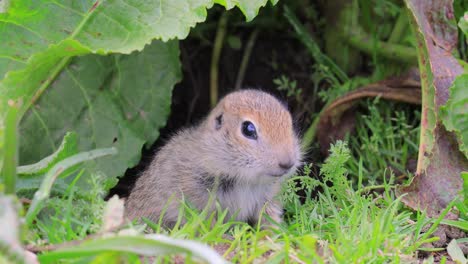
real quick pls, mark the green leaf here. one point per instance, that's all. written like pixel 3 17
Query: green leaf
pixel 101 26
pixel 454 113
pixel 119 100
pixel 248 7
pixel 30 82
pixel 460 224
pixel 30 27
pixel 149 245
pixel 234 42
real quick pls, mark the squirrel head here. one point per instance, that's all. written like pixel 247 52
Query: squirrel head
pixel 251 137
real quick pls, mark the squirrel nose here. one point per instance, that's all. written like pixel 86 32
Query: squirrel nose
pixel 286 165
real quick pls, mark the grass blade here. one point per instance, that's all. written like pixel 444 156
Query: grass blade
pixel 312 46
pixel 460 224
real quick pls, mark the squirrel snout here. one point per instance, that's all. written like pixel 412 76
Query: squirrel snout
pixel 286 165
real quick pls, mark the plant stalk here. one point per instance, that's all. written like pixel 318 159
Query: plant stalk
pixel 246 58
pixel 311 132
pixel 360 40
pixel 218 46
pixel 44 191
pixel 10 158
pixel 406 95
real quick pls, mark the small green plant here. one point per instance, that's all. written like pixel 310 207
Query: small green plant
pixel 385 141
pixel 283 83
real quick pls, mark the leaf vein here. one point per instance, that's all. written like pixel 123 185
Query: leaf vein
pixel 12 58
pixel 67 8
pixel 28 29
pixel 44 126
pixel 88 102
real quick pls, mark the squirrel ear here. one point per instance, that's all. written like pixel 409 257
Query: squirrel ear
pixel 218 121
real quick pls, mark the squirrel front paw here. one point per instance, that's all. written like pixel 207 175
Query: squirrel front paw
pixel 273 210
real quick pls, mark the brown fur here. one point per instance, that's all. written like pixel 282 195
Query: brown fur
pixel 246 171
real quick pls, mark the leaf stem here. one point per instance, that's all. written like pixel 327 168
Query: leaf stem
pixel 63 62
pixel 340 104
pixel 360 40
pixel 311 132
pixel 53 74
pixel 86 18
pixel 44 191
pixel 245 58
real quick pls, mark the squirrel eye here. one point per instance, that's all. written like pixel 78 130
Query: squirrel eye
pixel 248 129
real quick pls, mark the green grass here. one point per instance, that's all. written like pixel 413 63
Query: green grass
pixel 71 216
pixel 337 224
pixel 354 228
pixel 347 214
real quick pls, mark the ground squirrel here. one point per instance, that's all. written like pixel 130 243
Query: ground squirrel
pixel 241 152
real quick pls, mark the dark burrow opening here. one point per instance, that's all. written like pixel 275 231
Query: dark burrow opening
pixel 274 54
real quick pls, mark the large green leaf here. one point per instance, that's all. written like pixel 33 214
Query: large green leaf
pixel 454 114
pixel 119 26
pixel 119 100
pixel 41 36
